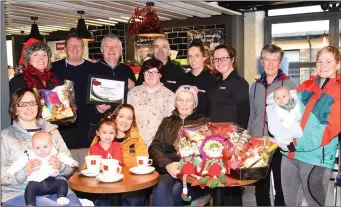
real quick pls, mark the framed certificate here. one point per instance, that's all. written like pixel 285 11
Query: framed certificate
pixel 103 90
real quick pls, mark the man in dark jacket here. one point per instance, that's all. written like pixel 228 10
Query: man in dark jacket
pixel 172 74
pixel 111 67
pixel 76 69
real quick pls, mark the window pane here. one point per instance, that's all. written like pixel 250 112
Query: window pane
pixel 301 41
pixel 297 10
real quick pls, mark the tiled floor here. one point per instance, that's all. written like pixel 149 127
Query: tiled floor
pixel 250 200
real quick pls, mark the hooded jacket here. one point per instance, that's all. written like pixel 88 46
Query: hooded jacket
pixel 162 150
pixel 14 141
pixel 284 125
pixel 320 122
pixel 259 90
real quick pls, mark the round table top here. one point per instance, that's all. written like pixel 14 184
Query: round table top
pixel 230 179
pixel 130 182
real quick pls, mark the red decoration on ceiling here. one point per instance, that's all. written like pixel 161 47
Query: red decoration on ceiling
pixel 145 17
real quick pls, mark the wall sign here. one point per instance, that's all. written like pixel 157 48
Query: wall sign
pixel 210 37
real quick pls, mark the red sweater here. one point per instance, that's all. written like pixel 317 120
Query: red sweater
pixel 115 151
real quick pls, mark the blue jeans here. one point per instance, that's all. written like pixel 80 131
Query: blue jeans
pixel 136 198
pixel 168 192
pixel 49 200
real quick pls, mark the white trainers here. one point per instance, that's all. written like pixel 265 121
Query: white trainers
pixel 63 201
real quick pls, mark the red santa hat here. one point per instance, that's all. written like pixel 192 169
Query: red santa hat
pixel 26 44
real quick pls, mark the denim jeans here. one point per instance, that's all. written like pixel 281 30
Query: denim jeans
pixel 49 200
pixel 135 198
pixel 168 192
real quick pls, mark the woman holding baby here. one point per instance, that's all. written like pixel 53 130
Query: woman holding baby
pixel 16 141
pixel 307 167
pixel 272 78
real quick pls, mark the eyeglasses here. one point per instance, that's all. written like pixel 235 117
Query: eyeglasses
pixel 151 73
pixel 24 104
pixel 222 59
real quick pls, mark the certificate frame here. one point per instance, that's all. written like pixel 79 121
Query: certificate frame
pixel 105 90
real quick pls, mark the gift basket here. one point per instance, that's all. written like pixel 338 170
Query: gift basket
pixel 59 105
pixel 226 149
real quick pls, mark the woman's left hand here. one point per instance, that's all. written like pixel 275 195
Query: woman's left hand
pixel 55 162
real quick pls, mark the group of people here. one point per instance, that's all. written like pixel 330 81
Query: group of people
pixel 304 120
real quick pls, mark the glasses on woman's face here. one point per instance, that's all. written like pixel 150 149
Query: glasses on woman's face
pixel 151 73
pixel 221 59
pixel 24 104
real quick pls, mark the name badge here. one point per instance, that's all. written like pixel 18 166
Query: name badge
pixel 169 81
pixel 222 88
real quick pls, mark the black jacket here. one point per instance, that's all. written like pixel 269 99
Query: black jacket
pixel 229 100
pixel 204 82
pixel 162 150
pixel 18 82
pixel 79 76
pixel 120 72
pixel 172 76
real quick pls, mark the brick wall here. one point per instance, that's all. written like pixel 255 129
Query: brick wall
pixel 177 37
pixel 99 32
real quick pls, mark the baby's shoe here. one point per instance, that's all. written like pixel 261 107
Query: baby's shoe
pixel 63 201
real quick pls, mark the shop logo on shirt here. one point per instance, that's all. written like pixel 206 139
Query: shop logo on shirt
pixel 169 81
pixel 222 88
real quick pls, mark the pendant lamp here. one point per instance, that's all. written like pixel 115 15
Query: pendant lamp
pixel 82 30
pixel 34 31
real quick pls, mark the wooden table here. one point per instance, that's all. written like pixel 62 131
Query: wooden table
pixel 218 193
pixel 129 183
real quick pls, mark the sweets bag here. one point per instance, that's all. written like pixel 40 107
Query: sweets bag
pixel 59 106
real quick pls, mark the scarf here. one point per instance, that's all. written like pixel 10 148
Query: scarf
pixel 265 82
pixel 37 79
pixel 289 106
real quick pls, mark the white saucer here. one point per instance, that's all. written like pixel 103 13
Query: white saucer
pixel 142 170
pixel 114 178
pixel 88 174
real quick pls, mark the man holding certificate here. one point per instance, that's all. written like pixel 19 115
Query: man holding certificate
pixel 107 89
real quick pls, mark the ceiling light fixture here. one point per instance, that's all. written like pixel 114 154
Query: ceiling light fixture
pixel 82 30
pixel 145 22
pixel 34 31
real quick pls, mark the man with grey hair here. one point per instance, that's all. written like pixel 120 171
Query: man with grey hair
pixel 110 65
pixel 172 75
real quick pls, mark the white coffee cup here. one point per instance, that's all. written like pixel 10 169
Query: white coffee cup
pixel 143 161
pixel 111 167
pixel 93 163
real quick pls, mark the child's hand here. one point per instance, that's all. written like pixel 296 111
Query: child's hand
pixel 74 164
pixel 54 173
pixel 8 176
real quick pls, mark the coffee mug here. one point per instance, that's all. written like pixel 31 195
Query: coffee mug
pixel 111 167
pixel 143 161
pixel 93 163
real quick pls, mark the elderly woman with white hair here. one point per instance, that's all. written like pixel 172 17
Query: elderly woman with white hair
pixel 165 158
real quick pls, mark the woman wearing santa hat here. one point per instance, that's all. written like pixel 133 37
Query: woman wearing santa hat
pixel 36 60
